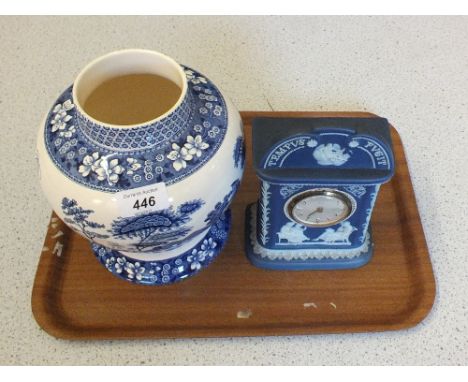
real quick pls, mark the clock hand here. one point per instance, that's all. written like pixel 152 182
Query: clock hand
pixel 318 209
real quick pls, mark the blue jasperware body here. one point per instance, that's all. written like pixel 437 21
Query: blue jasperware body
pixel 352 156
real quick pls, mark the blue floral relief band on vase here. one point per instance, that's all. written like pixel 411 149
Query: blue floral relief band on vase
pixel 96 176
pixel 114 159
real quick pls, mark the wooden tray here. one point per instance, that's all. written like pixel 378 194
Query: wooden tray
pixel 74 297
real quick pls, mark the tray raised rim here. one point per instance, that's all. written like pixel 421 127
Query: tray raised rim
pixel 62 327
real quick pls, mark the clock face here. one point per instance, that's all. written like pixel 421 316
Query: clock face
pixel 320 208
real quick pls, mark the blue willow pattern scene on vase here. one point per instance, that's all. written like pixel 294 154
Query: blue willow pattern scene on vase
pixel 194 154
pixel 239 152
pixel 172 270
pixel 159 226
pixel 77 218
pixel 160 230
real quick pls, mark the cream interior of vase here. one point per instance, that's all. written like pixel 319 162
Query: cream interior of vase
pixel 132 61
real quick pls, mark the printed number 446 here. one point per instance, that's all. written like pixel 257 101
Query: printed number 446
pixel 145 202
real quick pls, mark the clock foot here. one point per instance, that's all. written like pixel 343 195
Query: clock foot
pixel 301 259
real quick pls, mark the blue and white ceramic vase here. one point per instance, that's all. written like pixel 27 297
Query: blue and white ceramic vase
pixel 152 198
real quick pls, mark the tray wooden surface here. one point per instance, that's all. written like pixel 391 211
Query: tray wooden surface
pixel 74 297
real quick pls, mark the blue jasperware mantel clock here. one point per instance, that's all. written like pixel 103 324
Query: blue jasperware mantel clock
pixel 319 181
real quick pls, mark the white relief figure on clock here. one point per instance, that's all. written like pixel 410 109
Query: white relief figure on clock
pixel 330 154
pixel 340 235
pixel 293 233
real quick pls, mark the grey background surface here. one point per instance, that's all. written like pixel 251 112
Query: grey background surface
pixel 412 70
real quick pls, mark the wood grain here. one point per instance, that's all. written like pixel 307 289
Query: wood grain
pixel 74 297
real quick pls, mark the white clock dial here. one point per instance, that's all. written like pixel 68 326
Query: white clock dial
pixel 319 208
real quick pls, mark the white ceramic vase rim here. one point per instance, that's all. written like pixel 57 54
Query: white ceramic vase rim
pixel 119 54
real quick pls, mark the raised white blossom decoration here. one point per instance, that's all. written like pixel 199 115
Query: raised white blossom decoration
pixel 195 146
pixel 102 167
pixel 195 79
pixel 207 248
pixel 68 132
pixel 134 270
pixel 134 165
pixel 90 163
pixel 61 117
pixel 109 170
pixel 180 156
